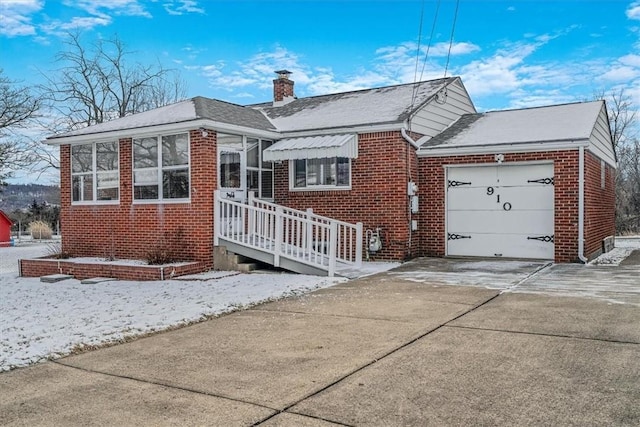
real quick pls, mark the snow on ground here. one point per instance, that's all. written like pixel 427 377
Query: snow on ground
pixel 624 247
pixel 39 321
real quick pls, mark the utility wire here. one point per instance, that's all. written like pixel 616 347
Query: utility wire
pixel 453 29
pixel 426 56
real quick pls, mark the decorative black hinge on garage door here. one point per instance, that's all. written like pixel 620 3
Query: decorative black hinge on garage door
pixel 457 183
pixel 546 181
pixel 453 236
pixel 546 239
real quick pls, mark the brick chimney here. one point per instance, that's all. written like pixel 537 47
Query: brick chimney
pixel 282 88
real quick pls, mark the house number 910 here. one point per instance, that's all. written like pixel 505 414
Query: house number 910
pixel 506 206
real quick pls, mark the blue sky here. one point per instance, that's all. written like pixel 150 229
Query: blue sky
pixel 510 53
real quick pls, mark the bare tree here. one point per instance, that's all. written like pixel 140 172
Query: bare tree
pixel 98 83
pixel 624 127
pixel 18 110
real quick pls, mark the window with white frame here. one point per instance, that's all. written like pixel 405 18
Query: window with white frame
pixel 161 168
pixel 331 172
pixel 95 173
pixel 259 172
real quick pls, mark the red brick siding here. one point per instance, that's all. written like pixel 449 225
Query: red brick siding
pixel 599 218
pixel 378 194
pixel 80 271
pixel 432 187
pixel 128 230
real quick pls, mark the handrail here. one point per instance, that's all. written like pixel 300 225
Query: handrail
pixel 285 232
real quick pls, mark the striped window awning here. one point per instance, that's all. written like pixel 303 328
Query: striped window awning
pixel 313 147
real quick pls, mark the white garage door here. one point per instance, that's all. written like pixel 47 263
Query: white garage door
pixel 500 211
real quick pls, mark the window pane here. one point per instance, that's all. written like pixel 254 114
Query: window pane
pixel 252 153
pixel 107 156
pixel 82 158
pixel 108 193
pixel 229 170
pixel 253 183
pixel 145 176
pixel 108 179
pixel 175 150
pixel 267 185
pixel 265 145
pixel 141 192
pixel 145 152
pixel 300 172
pixel 175 184
pixel 82 188
pixel 343 171
pixel 76 192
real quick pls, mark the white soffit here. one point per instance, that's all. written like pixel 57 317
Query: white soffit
pixel 313 147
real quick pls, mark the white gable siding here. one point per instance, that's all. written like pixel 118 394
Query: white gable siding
pixel 434 117
pixel 600 142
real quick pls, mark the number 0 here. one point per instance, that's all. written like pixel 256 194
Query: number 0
pixel 506 206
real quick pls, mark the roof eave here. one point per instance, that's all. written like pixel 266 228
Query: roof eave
pixel 507 147
pixel 161 129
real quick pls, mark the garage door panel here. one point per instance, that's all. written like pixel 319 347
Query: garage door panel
pixel 502 210
pixel 530 222
pixel 506 246
pixel 500 198
pixel 474 177
pixel 525 175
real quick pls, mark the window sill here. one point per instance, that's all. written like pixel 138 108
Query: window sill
pixel 319 188
pixel 97 203
pixel 161 202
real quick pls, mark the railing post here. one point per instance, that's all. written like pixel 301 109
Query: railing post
pixel 333 246
pixel 358 244
pixel 309 233
pixel 216 217
pixel 277 243
pixel 251 220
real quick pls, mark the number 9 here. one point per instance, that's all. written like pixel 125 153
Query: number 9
pixel 489 191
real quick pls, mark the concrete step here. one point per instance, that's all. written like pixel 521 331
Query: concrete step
pixel 246 267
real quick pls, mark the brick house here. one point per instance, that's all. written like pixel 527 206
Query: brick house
pixel 414 166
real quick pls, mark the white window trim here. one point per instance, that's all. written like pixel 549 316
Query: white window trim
pixel 160 168
pixel 261 169
pixel 292 181
pixel 94 172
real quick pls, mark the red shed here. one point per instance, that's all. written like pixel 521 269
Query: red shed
pixel 5 229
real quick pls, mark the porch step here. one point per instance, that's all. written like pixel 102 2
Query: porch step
pixel 53 278
pixel 246 267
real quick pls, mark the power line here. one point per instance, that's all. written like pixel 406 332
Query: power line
pixel 453 29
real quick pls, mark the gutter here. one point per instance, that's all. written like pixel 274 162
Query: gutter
pixel 410 140
pixel 581 206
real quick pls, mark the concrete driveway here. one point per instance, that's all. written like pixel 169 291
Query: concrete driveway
pixel 398 348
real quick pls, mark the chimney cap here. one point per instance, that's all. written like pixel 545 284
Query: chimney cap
pixel 283 74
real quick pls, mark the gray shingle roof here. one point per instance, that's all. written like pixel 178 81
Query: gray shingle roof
pixel 564 122
pixel 391 104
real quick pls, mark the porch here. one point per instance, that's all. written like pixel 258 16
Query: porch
pixel 295 240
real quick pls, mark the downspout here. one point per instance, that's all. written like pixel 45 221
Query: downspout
pixel 581 206
pixel 406 136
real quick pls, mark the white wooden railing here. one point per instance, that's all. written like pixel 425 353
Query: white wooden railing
pixel 302 236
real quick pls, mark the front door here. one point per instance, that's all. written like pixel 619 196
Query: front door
pixel 232 174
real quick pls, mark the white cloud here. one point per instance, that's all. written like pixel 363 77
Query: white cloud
pixel 118 7
pixel 77 23
pixel 621 74
pixel 633 12
pixel 180 7
pixel 15 17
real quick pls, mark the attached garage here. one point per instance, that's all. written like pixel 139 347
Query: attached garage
pixel 534 183
pixel 500 210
